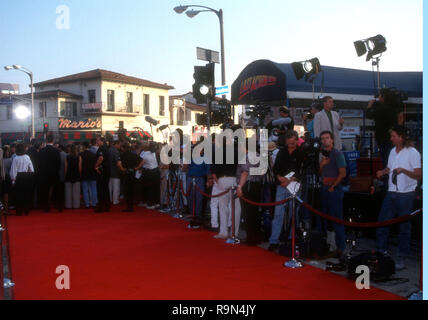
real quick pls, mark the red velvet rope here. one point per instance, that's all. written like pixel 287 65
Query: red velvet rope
pixel 210 196
pixel 362 224
pixel 269 204
pixel 182 189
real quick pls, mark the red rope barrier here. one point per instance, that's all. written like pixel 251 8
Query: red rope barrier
pixel 362 224
pixel 210 196
pixel 182 189
pixel 269 204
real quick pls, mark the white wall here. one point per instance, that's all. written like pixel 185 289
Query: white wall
pixel 77 87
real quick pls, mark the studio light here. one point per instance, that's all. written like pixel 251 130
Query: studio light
pixel 306 69
pixel 374 46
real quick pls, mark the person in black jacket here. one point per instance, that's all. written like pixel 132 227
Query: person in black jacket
pixel 128 163
pixel 386 113
pixel 49 165
pixel 289 159
pixel 102 167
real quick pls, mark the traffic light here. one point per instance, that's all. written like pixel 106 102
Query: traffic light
pixel 204 83
pixel 45 128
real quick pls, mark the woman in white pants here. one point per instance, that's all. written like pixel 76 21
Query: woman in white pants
pixel 225 175
pixel 227 183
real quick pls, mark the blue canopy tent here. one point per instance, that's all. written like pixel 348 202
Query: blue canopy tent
pixel 264 81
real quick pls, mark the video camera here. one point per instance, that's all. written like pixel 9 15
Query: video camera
pixel 394 96
pixel 312 147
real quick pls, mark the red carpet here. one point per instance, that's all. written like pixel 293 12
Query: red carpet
pixel 147 255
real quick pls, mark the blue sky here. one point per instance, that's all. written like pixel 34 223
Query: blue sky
pixel 147 39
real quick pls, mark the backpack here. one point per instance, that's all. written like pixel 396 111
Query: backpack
pixel 381 266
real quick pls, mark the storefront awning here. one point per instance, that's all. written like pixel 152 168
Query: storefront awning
pixel 79 136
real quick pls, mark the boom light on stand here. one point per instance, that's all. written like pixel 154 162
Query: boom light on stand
pixel 374 47
pixel 308 69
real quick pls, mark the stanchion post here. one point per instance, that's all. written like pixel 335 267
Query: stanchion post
pixel 193 188
pixel 1 218
pixel 8 284
pixel 234 239
pixel 177 191
pixel 194 197
pixel 293 263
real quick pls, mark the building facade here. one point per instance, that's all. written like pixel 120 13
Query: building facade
pixel 82 105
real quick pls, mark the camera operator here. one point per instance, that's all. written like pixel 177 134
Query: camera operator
pixel 404 172
pixel 333 171
pixel 281 125
pixel 289 159
pixel 386 113
pixel 128 162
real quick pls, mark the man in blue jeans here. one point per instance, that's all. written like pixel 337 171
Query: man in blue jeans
pixel 333 171
pixel 403 170
pixel 196 173
pixel 289 159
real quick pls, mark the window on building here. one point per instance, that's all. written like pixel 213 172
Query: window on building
pixel 180 117
pixel 188 115
pixel 171 116
pixel 146 104
pixel 110 100
pixel 68 109
pixel 9 112
pixel 42 110
pixel 129 102
pixel 161 105
pixel 92 96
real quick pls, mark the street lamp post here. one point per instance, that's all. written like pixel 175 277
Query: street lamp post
pixel 30 74
pixel 219 13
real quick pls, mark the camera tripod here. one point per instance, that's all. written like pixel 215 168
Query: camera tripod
pixel 311 188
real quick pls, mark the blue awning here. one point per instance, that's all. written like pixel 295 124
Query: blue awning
pixel 253 84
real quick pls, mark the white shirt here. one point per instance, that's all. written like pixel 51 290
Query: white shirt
pixel 409 159
pixel 150 161
pixel 20 164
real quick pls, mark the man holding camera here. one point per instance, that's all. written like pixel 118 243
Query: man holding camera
pixel 404 172
pixel 329 120
pixel 282 125
pixel 333 171
pixel 289 159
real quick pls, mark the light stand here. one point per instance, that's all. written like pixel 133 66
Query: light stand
pixel 375 63
pixel 293 263
pixel 234 239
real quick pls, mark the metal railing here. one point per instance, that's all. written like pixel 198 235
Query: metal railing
pixel 5 268
pixel 136 109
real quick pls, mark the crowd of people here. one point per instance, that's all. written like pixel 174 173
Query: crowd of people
pixel 99 174
pixel 93 175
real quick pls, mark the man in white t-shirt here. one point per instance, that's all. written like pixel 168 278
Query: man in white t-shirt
pixel 151 176
pixel 404 170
